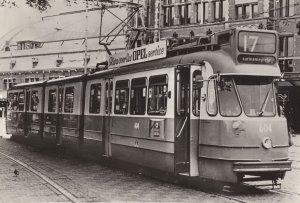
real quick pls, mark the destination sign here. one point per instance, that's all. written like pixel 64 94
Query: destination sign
pixel 149 52
pixel 257 42
pixel 256 59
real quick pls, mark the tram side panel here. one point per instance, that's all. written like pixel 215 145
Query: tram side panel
pixel 144 137
pixel 53 105
pixel 15 121
pixel 34 108
pixel 69 119
pixel 94 111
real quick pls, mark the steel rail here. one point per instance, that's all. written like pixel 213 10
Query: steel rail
pixel 63 191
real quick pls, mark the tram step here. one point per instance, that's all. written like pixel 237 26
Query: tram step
pixel 184 174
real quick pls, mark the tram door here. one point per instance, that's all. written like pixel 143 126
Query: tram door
pixel 182 120
pixel 106 139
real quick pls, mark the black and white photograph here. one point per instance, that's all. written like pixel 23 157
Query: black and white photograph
pixel 149 101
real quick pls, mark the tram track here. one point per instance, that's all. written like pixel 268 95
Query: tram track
pixel 53 185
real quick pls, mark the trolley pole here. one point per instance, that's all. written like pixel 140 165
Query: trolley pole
pixel 86 36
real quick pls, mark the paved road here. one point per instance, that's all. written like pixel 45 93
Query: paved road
pixel 92 182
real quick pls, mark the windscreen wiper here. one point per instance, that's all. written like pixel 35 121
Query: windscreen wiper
pixel 264 105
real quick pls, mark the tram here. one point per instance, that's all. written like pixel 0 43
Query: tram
pixel 204 109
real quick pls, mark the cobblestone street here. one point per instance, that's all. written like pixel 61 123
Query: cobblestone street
pixel 82 181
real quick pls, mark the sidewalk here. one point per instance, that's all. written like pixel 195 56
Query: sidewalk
pixel 296 140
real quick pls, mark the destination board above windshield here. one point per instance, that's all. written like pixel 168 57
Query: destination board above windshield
pixel 257 42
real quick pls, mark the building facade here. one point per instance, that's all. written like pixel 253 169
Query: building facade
pixel 166 19
pixel 56 46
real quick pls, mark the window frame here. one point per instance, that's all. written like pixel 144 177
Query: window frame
pixel 156 84
pixel 66 99
pixel 120 87
pixel 216 98
pixel 145 85
pixel 98 87
pixel 56 96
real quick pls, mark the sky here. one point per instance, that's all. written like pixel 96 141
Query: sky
pixel 23 14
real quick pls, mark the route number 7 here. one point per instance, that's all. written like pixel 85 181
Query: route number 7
pixel 253 39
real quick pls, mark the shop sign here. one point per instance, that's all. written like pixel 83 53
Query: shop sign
pixel 149 52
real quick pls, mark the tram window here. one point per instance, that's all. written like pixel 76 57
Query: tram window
pixel 108 97
pixel 211 99
pixel 196 96
pixel 14 101
pixel 257 95
pixel 228 100
pixel 157 95
pixel 95 98
pixel 122 97
pixel 21 101
pixel 52 100
pixel 60 98
pixel 27 103
pixel 34 101
pixel 69 100
pixel 182 93
pixel 138 96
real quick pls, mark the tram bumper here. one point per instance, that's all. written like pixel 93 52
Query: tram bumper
pixel 264 170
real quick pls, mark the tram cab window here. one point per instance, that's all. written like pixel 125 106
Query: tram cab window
pixel 52 100
pixel 69 100
pixel 228 100
pixel 138 96
pixel 34 101
pixel 95 98
pixel 21 101
pixel 108 97
pixel 212 108
pixel 196 96
pixel 257 95
pixel 122 97
pixel 157 95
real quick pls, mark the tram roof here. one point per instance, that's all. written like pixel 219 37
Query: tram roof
pixel 220 60
pixel 75 78
pixel 30 84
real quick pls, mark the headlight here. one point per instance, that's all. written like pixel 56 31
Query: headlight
pixel 267 143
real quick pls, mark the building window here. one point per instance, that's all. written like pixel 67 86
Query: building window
pixel 34 101
pixel 205 12
pixel 28 45
pixel 185 14
pixel 286 46
pixel 198 13
pixel 138 96
pixel 244 11
pixel 169 15
pixel 69 100
pixel 122 97
pixel 254 10
pixel 52 100
pixel 95 98
pixel 8 83
pixel 286 7
pixel 157 95
pixel 219 11
pixel 33 79
pixel 286 49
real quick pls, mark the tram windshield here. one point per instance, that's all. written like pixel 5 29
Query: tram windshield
pixel 257 95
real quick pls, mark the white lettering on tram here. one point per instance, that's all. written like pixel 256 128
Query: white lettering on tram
pixel 265 128
pixel 136 125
